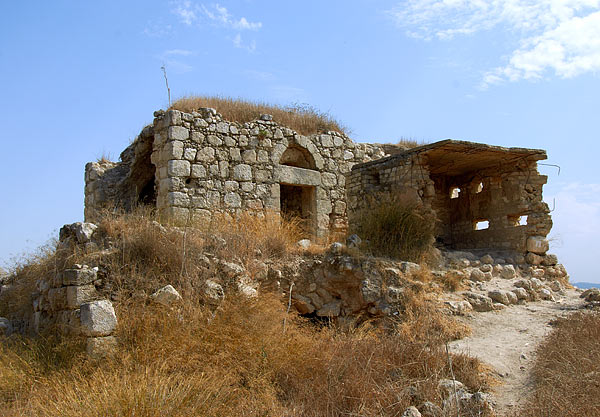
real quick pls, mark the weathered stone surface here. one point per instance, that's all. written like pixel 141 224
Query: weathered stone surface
pixel 487 259
pixel 166 295
pixel 459 308
pixel 411 412
pixel 303 243
pixel 98 318
pixel 336 248
pixel 537 244
pixel 77 295
pixel 533 259
pixel 82 276
pixel 330 309
pixel 353 241
pixel 101 347
pixel 508 272
pixel 503 297
pixel 477 275
pixel 214 291
pixel 479 302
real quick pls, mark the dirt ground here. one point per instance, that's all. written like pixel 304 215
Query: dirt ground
pixel 507 339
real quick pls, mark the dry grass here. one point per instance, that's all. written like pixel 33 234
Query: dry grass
pixel 409 143
pixel 395 229
pixel 193 359
pixel 234 361
pixel 567 370
pixel 301 118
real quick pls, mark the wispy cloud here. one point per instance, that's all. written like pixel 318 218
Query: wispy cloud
pixel 189 13
pixel 157 29
pixel 557 36
pixel 221 16
pixel 178 52
pixel 239 43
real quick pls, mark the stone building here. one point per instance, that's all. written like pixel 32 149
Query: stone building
pixel 191 165
pixel 195 164
pixel 484 197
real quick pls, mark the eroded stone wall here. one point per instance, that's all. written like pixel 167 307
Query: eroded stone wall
pixel 204 164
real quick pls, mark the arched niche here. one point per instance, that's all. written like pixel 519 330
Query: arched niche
pixel 299 157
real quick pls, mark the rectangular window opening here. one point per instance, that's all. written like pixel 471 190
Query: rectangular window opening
pixel 518 220
pixel 481 225
pixel 454 192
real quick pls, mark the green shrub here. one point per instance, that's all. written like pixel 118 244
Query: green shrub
pixel 396 229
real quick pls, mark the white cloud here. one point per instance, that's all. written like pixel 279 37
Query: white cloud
pixel 178 52
pixel 221 16
pixel 239 43
pixel 186 11
pixel 559 36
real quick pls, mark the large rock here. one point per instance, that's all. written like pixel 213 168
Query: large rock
pixel 593 294
pixel 78 276
pixel 537 244
pixel 77 295
pixel 213 291
pixel 508 272
pixel 166 296
pixel 411 412
pixel 479 302
pixel 98 318
pixel 503 297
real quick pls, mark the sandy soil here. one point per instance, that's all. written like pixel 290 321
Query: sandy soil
pixel 506 340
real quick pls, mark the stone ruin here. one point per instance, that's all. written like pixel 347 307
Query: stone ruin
pixel 191 165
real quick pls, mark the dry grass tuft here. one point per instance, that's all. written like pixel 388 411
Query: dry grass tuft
pixel 567 370
pixel 395 229
pixel 302 118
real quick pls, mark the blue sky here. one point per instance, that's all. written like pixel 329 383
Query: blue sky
pixel 80 79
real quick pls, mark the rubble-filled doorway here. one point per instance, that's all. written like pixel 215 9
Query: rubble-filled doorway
pixel 298 203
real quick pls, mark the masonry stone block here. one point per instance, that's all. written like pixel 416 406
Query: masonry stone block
pixel 242 172
pixel 77 295
pixel 78 276
pixel 178 133
pixel 98 318
pixel 178 168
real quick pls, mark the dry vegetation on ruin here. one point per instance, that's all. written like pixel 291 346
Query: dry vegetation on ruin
pixel 302 118
pixel 196 359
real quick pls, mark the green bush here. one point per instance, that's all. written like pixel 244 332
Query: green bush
pixel 396 229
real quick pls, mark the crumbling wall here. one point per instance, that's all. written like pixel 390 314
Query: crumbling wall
pixel 480 193
pixel 121 185
pixel 405 177
pixel 203 164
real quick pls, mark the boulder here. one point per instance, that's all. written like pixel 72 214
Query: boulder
pixel 459 308
pixel 213 291
pixel 409 267
pixel 98 318
pixel 246 287
pixel 231 269
pixel 487 259
pixel 479 302
pixel 477 275
pixel 411 412
pixel 330 309
pixel 537 244
pixel 429 409
pixel 545 294
pixel 303 243
pixel 503 297
pixel 508 272
pixel 521 293
pixel 533 259
pixel 166 296
pixel 550 260
pixel 593 294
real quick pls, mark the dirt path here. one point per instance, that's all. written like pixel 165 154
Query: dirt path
pixel 507 340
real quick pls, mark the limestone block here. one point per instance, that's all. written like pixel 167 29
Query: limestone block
pixel 232 200
pixel 537 244
pixel 166 296
pixel 503 297
pixel 98 318
pixel 57 298
pixel 77 295
pixel 303 304
pixel 533 259
pixel 249 156
pixel 81 276
pixel 214 140
pixel 189 154
pixel 508 272
pixel 206 154
pixel 296 176
pixel 479 302
pixel 178 199
pixel 550 260
pixel 173 117
pixel 178 133
pixel 101 347
pixel 173 150
pixel 521 293
pixel 84 231
pixel 459 308
pixel 242 172
pixel 329 180
pixel 326 141
pixel 177 168
pixel 247 186
pixel 198 171
pixel 197 137
pixel 263 156
pixel 213 291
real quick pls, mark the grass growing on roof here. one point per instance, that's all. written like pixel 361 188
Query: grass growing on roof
pixel 302 118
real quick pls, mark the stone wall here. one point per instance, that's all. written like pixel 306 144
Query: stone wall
pixel 203 164
pixel 481 194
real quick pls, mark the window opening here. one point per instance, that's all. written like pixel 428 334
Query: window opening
pixel 479 188
pixel 482 225
pixel 454 192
